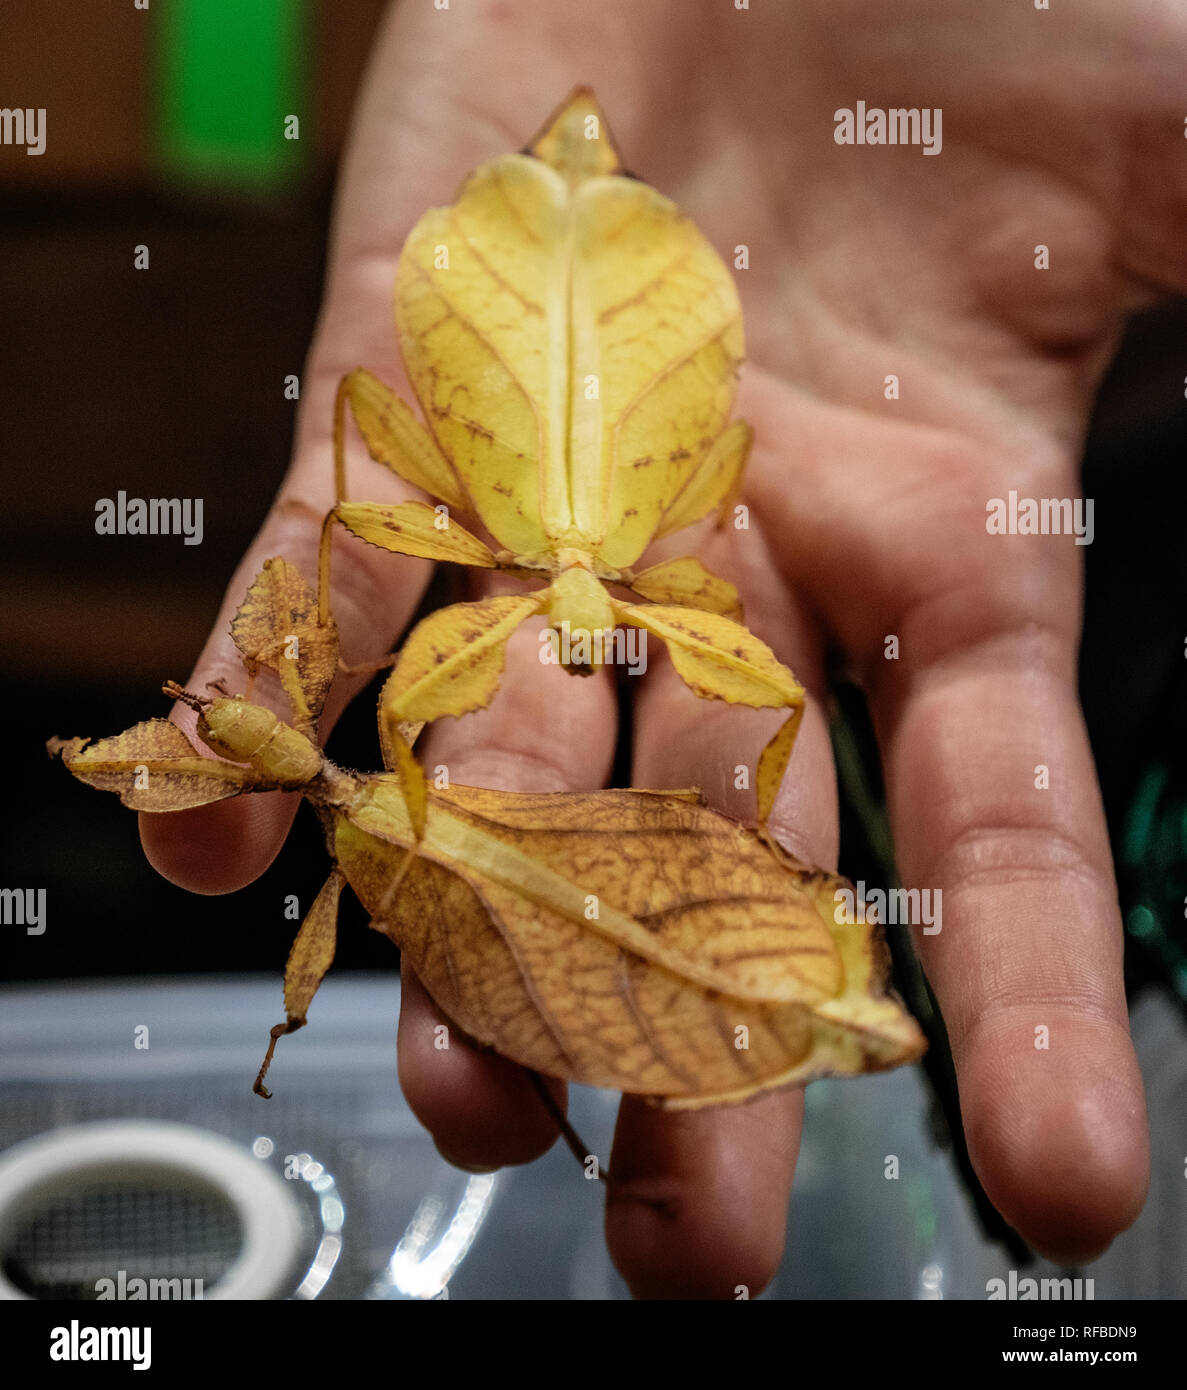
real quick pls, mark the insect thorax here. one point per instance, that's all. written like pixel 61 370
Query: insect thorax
pixel 580 611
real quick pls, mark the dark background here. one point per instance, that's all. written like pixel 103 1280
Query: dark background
pixel 165 383
pixel 169 383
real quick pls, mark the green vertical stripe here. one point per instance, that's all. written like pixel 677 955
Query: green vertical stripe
pixel 227 75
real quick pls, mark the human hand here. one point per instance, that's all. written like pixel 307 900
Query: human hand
pixel 867 519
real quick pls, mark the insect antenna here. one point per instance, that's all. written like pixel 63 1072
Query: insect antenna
pixel 187 697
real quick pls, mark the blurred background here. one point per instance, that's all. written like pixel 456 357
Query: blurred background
pixel 164 130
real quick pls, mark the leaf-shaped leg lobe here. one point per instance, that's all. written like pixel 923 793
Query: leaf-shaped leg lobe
pixel 412 528
pixel 279 625
pixel 772 763
pixel 452 661
pixel 719 659
pixel 688 584
pixel 153 767
pixel 398 755
pixel 311 956
pixel 395 438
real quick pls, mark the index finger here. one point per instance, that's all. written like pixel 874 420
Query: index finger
pixel 219 848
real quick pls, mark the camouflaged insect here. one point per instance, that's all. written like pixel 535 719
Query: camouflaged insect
pixel 711 967
pixel 574 343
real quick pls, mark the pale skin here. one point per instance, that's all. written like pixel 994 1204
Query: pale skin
pixel 1061 127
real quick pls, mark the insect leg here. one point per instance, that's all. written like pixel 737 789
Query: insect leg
pixel 394 437
pixel 310 958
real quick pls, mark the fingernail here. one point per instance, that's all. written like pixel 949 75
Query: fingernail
pixel 458 1163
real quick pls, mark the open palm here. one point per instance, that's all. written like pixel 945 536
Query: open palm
pixel 867 521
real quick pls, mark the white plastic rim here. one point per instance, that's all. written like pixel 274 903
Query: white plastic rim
pixel 64 1160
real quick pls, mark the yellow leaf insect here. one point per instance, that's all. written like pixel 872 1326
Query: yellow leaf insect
pixel 574 343
pixel 634 940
